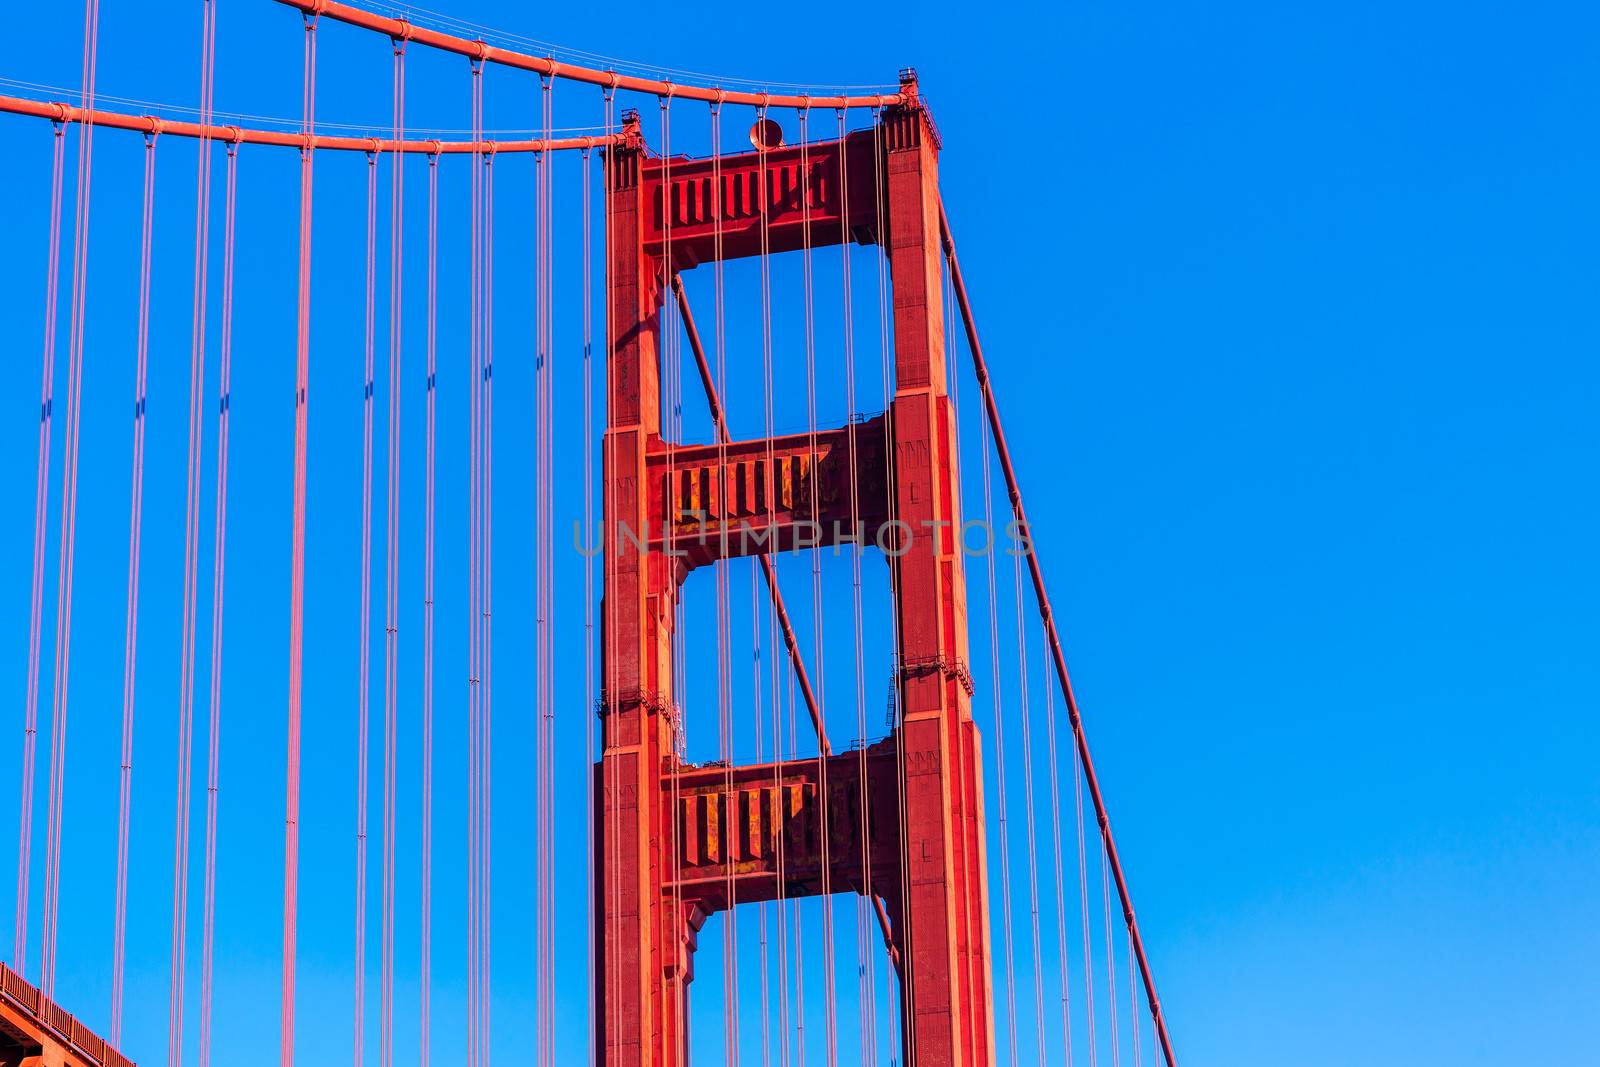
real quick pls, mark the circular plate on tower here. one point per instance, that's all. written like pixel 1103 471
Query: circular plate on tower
pixel 766 134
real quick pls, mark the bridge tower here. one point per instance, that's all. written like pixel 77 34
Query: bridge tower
pixel 782 827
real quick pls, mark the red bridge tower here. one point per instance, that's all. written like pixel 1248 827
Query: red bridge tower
pixel 922 787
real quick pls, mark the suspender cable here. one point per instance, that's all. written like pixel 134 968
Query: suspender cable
pixel 905 1006
pixel 486 525
pixel 588 597
pixel 610 773
pixel 730 942
pixel 1083 911
pixel 758 681
pixel 364 630
pixel 1000 768
pixel 1055 839
pixel 805 192
pixel 297 570
pixel 191 549
pixel 544 568
pixel 40 522
pixel 865 982
pixel 1133 1008
pixel 69 511
pixel 130 649
pixel 391 595
pixel 425 905
pixel 474 579
pixel 224 385
pixel 1111 961
pixel 1024 714
pixel 672 432
pixel 982 370
pixel 764 198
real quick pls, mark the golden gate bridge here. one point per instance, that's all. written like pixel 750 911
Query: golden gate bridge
pixel 899 823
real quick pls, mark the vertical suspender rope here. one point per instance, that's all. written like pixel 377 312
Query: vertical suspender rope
pixel 224 385
pixel 1133 1007
pixel 486 882
pixel 391 594
pixel 906 1003
pixel 865 982
pixel 588 599
pixel 1024 715
pixel 364 615
pixel 131 646
pixel 1083 911
pixel 1112 991
pixel 1055 838
pixel 610 775
pixel 474 579
pixel 40 523
pixel 69 509
pixel 764 196
pixel 758 681
pixel 544 704
pixel 191 547
pixel 830 1013
pixel 547 583
pixel 905 1013
pixel 1000 766
pixel 672 432
pixel 186 698
pixel 1081 744
pixel 730 939
pixel 425 906
pixel 297 573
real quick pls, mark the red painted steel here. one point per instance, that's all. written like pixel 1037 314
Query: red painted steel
pixel 673 838
pixel 401 29
pixel 154 124
pixel 33 1025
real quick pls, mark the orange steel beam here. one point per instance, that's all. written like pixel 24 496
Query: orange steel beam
pixel 404 30
pixel 37 1030
pixel 981 368
pixel 766 559
pixel 154 124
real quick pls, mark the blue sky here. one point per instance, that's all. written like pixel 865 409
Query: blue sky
pixel 1286 314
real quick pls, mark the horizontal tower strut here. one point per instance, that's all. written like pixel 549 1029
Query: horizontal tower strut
pixel 401 29
pixel 117 120
pixel 981 368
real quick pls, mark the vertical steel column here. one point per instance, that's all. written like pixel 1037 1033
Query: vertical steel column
pixel 641 946
pixel 948 1005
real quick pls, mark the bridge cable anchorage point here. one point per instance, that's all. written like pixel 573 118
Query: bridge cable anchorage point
pixel 235 135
